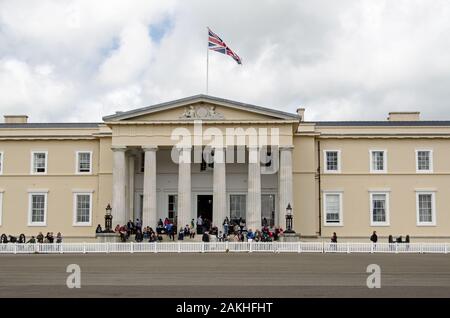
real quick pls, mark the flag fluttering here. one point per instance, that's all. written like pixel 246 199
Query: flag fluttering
pixel 215 43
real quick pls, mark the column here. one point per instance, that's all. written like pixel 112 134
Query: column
pixel 284 183
pixel 219 187
pixel 149 204
pixel 118 195
pixel 184 187
pixel 254 189
pixel 131 168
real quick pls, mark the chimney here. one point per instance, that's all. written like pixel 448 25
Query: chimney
pixel 404 116
pixel 301 114
pixel 15 119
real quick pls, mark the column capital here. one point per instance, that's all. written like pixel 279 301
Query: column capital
pixel 184 147
pixel 149 148
pixel 286 147
pixel 119 148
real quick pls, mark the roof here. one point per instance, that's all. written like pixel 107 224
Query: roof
pixel 384 123
pixel 197 98
pixel 50 125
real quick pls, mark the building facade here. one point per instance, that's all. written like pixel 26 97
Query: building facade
pixel 213 157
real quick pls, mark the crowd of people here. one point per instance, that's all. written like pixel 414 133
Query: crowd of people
pixel 40 238
pixel 231 230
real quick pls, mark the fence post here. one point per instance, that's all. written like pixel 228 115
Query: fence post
pixel 131 247
pixel 227 247
pixel 84 247
pixel 445 248
pixel 203 247
pixel 154 247
pixel 107 247
pixel 61 248
pixel 348 248
pixel 299 247
pixel 421 248
pixel 250 249
pixel 179 247
pixel 371 248
pixel 323 247
pixel 15 248
pixel 396 248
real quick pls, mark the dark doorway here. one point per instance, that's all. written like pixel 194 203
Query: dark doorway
pixel 205 209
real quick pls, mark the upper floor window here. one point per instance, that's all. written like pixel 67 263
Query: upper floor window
pixel 84 162
pixel 426 208
pixel 424 160
pixel 333 208
pixel 379 208
pixel 378 161
pixel 38 162
pixel 1 162
pixel 332 161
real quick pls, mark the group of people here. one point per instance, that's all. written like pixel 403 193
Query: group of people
pixel 40 238
pixel 374 238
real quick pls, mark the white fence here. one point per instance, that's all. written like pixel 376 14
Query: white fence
pixel 221 247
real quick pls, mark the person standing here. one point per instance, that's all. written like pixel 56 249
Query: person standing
pixel 226 225
pixel 334 238
pixel 59 238
pixel 199 225
pixel 374 237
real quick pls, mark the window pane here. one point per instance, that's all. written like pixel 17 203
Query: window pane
pixel 268 208
pixel 423 160
pixel 237 206
pixel 83 208
pixel 332 160
pixel 37 208
pixel 332 208
pixel 39 162
pixel 378 160
pixel 379 208
pixel 425 208
pixel 172 206
pixel 84 162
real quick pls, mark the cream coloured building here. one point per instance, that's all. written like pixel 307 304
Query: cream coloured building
pixel 351 178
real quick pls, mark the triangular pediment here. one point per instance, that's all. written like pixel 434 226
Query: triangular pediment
pixel 201 107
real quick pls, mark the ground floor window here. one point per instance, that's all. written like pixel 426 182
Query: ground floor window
pixel 268 209
pixel 237 206
pixel 426 214
pixel 379 208
pixel 37 209
pixel 333 208
pixel 172 207
pixel 83 208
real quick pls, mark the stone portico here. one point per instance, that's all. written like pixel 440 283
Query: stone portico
pixel 161 167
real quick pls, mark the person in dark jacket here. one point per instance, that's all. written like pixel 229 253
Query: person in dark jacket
pixel 98 229
pixel 205 237
pixel 374 237
pixel 40 237
pixel 334 238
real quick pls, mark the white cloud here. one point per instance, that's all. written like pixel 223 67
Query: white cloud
pixel 81 60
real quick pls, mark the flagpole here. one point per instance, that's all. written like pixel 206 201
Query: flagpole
pixel 207 62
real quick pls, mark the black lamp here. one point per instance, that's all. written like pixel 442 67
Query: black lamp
pixel 289 219
pixel 108 220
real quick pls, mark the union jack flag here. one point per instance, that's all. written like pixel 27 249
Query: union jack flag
pixel 215 43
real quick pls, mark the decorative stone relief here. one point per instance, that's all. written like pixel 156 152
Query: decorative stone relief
pixel 201 112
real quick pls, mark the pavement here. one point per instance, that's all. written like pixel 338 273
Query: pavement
pixel 221 275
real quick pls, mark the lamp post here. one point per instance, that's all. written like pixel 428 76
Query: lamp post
pixel 108 220
pixel 289 219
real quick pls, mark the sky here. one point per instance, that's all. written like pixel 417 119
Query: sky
pixel 69 61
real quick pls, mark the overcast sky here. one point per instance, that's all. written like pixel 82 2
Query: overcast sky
pixel 343 60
